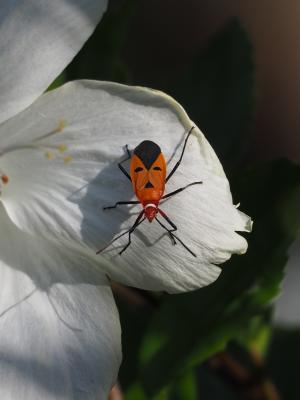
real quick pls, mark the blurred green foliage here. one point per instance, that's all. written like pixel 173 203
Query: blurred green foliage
pixel 167 340
pixel 60 80
pixel 185 330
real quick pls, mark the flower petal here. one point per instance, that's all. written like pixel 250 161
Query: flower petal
pixel 65 200
pixel 59 327
pixel 38 39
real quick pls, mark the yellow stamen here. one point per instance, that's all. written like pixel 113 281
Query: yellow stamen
pixel 61 126
pixel 4 179
pixel 62 148
pixel 67 159
pixel 49 155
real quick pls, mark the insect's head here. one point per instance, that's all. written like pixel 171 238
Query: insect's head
pixel 150 211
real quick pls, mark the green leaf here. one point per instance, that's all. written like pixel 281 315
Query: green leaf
pixel 217 90
pixel 185 388
pixel 136 392
pixel 189 328
pixel 59 81
pixel 135 313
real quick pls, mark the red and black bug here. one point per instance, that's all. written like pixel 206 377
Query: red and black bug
pixel 148 175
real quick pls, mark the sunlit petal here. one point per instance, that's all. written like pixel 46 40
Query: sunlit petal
pixel 59 186
pixel 37 41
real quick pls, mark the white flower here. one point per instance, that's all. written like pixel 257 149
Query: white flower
pixel 60 334
pixel 92 121
pixel 59 327
pixel 37 40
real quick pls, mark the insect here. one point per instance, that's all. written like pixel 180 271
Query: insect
pixel 148 174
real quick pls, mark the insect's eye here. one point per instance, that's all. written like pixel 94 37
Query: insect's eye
pixel 138 169
pixel 157 168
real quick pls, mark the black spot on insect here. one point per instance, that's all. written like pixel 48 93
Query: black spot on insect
pixel 147 152
pixel 138 169
pixel 149 185
pixel 157 168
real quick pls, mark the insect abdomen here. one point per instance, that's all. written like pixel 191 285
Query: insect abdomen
pixel 148 172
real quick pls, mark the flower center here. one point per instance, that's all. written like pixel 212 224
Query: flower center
pixel 4 179
pixel 50 150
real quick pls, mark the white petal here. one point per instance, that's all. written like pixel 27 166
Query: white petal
pixel 38 39
pixel 66 200
pixel 59 327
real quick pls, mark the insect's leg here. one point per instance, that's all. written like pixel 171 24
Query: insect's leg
pixel 137 222
pixel 168 230
pixel 120 203
pixel 164 215
pixel 181 189
pixel 172 230
pixel 125 159
pixel 129 236
pixel 180 159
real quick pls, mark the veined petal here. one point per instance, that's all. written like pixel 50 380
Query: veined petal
pixel 59 327
pixel 38 39
pixel 65 199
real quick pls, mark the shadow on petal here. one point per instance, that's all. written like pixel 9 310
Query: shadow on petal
pixel 107 188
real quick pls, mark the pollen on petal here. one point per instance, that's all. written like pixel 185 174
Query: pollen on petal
pixel 62 148
pixel 61 126
pixel 4 179
pixel 67 159
pixel 49 155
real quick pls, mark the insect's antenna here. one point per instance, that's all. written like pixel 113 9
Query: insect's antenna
pixel 137 222
pixel 176 237
pixel 125 159
pixel 180 159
